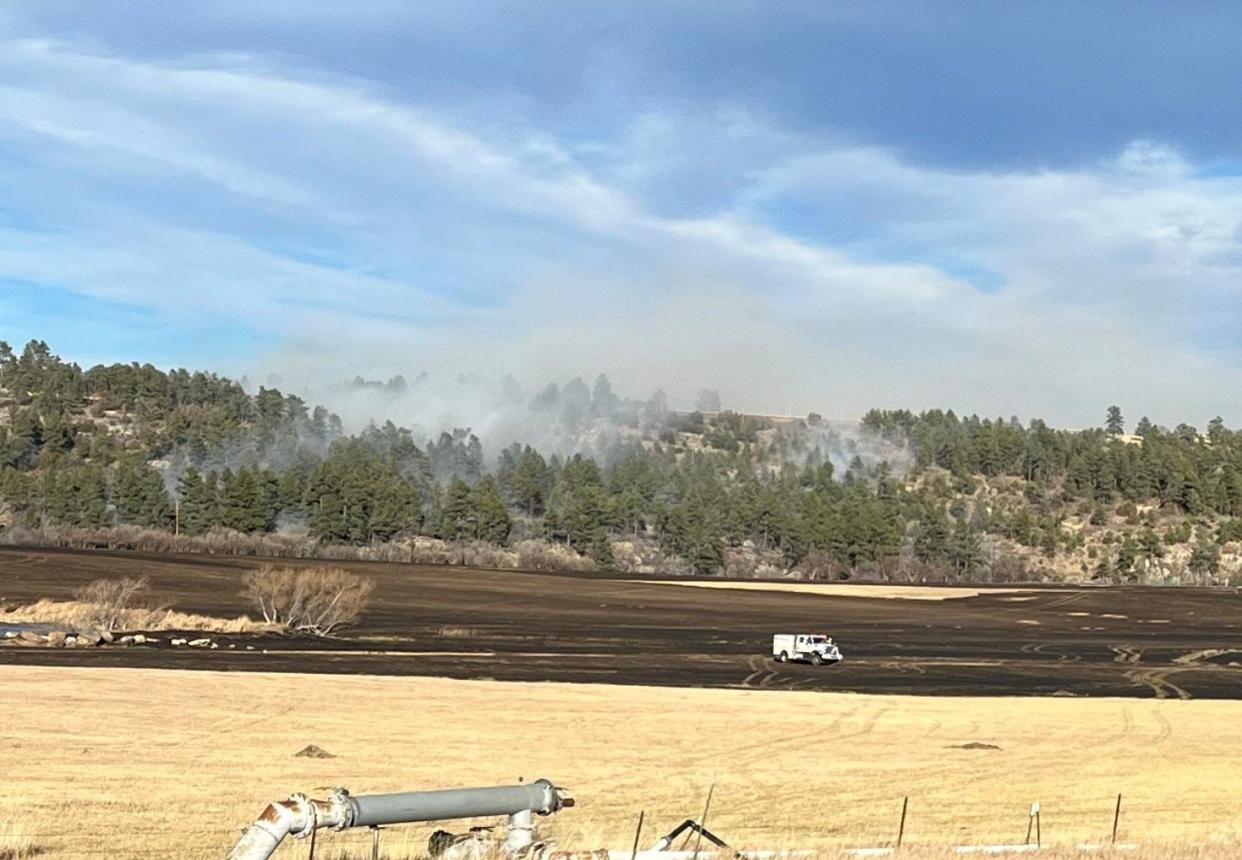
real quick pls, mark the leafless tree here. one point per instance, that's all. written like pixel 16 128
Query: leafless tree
pixel 105 601
pixel 307 600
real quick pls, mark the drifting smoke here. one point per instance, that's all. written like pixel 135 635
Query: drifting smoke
pixel 573 417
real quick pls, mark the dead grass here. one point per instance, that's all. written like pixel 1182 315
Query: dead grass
pixel 15 843
pixel 74 615
pixel 107 762
pixel 844 589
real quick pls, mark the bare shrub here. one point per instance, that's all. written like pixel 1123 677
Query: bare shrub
pixel 307 600
pixel 818 566
pixel 645 557
pixel 105 602
pixel 544 555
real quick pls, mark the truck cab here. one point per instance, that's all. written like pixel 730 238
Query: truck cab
pixel 813 648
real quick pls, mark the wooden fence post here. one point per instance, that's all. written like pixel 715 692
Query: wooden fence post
pixel 1116 818
pixel 638 833
pixel 901 829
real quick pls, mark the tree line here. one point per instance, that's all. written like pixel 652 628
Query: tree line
pixel 194 452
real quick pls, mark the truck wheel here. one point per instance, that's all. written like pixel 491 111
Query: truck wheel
pixel 817 660
pixel 783 658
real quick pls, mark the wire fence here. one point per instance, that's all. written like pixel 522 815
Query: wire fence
pixel 899 823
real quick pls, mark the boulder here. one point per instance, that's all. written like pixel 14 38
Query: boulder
pixel 199 643
pixel 126 640
pixel 139 639
pixel 29 636
pixel 57 638
pixel 90 638
pixel 105 637
pixel 177 643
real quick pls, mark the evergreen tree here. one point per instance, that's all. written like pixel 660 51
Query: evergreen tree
pixel 139 496
pixel 199 503
pixel 492 518
pixel 1114 425
pixel 601 552
pixel 459 518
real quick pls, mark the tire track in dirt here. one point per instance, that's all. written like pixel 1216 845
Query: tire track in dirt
pixel 1166 730
pixel 1059 602
pixel 1127 727
pixel 1157 680
pixel 1039 648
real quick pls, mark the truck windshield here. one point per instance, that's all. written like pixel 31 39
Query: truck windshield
pixel 817 640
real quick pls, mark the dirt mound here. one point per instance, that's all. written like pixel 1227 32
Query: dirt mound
pixel 313 751
pixel 974 745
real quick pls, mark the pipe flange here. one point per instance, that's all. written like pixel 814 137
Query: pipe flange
pixel 344 809
pixel 306 818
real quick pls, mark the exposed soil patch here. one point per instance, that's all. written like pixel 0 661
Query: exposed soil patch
pixel 514 625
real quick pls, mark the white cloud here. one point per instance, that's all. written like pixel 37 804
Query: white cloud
pixel 185 185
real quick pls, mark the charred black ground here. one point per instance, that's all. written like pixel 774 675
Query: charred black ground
pixel 505 625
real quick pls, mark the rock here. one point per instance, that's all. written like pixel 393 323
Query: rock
pixel 105 637
pixel 214 646
pixel 139 639
pixel 57 638
pixel 10 634
pixel 249 647
pixel 29 636
pixel 126 640
pixel 313 751
pixel 177 643
pixel 91 638
pixel 199 643
pixel 71 642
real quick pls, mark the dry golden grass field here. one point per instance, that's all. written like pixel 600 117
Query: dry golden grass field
pixel 847 589
pixel 134 763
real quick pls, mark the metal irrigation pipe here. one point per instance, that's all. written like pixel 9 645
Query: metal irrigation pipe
pixel 300 816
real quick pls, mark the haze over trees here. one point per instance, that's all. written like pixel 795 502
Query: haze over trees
pixel 926 496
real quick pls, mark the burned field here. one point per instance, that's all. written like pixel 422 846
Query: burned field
pixel 504 625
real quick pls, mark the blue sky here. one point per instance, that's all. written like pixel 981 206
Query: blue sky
pixel 1004 208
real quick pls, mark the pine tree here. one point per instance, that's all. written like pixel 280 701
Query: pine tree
pixel 458 519
pixel 931 537
pixel 601 552
pixel 1114 425
pixel 139 496
pixel 490 513
pixel 965 551
pixel 199 511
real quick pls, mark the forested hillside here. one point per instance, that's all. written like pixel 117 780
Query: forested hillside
pixel 129 455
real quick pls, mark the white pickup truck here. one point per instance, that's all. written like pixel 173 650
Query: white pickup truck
pixel 813 648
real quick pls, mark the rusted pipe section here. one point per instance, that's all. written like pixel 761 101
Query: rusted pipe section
pixel 299 816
